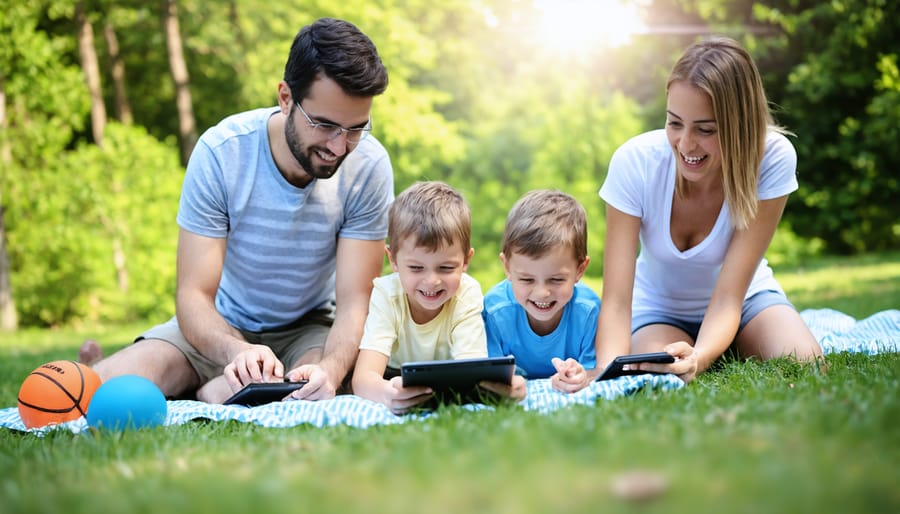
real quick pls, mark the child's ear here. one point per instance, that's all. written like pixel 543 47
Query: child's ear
pixel 468 259
pixel 579 272
pixel 390 256
pixel 505 264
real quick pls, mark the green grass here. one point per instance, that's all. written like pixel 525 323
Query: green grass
pixel 745 437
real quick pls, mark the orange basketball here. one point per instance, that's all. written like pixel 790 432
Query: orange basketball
pixel 56 392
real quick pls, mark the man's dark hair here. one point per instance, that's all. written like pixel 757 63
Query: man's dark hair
pixel 339 50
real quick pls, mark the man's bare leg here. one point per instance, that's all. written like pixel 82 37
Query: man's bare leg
pixel 216 390
pixel 155 360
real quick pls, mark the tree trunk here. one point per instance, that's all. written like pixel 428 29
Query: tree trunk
pixel 187 127
pixel 117 70
pixel 9 320
pixel 91 68
pixel 91 72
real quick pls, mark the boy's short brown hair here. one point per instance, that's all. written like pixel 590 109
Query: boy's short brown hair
pixel 434 214
pixel 542 220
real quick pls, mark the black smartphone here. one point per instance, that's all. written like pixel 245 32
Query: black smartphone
pixel 614 370
pixel 260 393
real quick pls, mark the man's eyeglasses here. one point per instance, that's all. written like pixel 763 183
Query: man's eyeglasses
pixel 331 131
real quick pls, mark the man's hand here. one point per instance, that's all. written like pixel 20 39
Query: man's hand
pixel 318 386
pixel 255 364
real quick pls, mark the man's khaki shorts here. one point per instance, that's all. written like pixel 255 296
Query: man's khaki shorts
pixel 290 343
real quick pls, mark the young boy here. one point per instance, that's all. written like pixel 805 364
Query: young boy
pixel 429 308
pixel 541 313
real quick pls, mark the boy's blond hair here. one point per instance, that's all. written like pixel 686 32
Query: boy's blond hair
pixel 432 213
pixel 545 219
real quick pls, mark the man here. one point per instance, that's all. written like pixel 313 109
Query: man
pixel 282 221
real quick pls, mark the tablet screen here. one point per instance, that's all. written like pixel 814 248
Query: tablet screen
pixel 263 392
pixel 455 381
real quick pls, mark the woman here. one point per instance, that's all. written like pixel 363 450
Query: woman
pixel 703 198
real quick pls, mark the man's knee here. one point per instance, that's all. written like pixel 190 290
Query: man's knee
pixel 154 359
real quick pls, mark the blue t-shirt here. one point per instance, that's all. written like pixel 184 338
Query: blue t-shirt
pixel 508 332
pixel 282 239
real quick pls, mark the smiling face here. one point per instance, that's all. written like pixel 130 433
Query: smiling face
pixel 693 133
pixel 315 155
pixel 544 285
pixel 429 278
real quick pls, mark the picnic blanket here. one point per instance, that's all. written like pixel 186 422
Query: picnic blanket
pixel 836 331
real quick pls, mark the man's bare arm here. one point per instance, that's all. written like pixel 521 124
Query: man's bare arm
pixel 200 263
pixel 358 264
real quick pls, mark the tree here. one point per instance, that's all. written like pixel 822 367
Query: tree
pixel 8 318
pixel 841 97
pixel 91 70
pixel 117 73
pixel 187 125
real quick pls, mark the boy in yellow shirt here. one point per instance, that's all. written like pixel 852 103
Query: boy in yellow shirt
pixel 429 308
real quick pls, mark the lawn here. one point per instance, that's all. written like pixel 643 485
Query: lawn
pixel 745 437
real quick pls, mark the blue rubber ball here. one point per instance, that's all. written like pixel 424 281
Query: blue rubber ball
pixel 127 402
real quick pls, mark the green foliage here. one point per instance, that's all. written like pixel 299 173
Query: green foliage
pixel 476 98
pixel 63 232
pixel 842 99
pixel 787 247
pixel 46 99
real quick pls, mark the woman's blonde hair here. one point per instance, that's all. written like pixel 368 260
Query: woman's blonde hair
pixel 726 72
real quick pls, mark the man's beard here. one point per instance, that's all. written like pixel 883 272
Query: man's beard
pixel 304 155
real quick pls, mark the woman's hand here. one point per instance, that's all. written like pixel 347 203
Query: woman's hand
pixel 685 366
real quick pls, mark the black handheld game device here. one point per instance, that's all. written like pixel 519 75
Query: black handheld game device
pixel 260 393
pixel 614 370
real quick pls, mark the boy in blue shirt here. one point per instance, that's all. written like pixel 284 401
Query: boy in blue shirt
pixel 541 313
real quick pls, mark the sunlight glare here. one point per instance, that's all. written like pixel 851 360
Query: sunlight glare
pixel 571 26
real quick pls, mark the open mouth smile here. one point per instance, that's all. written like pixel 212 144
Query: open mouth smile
pixel 692 161
pixel 543 305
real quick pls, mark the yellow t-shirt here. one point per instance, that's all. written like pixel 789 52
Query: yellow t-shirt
pixel 457 332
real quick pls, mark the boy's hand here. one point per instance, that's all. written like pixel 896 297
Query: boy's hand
pixel 570 375
pixel 515 390
pixel 401 399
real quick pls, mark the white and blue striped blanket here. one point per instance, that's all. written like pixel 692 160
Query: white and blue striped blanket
pixel 836 331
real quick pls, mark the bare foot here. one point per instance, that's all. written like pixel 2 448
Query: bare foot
pixel 90 352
